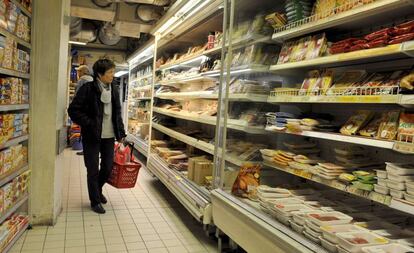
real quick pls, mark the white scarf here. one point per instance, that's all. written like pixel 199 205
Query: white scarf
pixel 106 97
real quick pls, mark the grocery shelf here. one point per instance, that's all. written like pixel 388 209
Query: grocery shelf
pixel 371 99
pixel 246 40
pixel 7 178
pixel 145 87
pixel 14 141
pixel 14 208
pixel 242 97
pixel 374 196
pixel 390 52
pixel 188 79
pixel 385 144
pixel 249 227
pixel 143 98
pixel 16 238
pixel 139 144
pixel 355 16
pixel 211 120
pixel 5 108
pixel 192 196
pixel 244 69
pixel 206 147
pixel 19 41
pixel 141 78
pixel 14 73
pixel 23 9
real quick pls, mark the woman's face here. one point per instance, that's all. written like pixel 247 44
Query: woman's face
pixel 108 77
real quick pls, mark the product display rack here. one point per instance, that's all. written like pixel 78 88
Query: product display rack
pixel 21 203
pixel 141 78
pixel 246 222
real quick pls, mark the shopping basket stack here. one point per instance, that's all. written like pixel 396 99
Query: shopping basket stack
pixel 126 167
pixel 75 137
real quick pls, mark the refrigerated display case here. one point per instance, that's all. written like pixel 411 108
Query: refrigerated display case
pixel 335 123
pixel 139 97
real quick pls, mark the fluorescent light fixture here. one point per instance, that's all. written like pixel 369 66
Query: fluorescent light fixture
pixel 167 24
pixel 77 42
pixel 121 73
pixel 144 55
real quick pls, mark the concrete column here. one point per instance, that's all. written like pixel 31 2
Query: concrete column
pixel 48 87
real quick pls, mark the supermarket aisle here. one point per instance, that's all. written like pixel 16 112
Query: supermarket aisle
pixel 145 219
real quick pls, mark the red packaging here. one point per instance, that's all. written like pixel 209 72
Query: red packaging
pixel 401 38
pixel 357 47
pixel 402 30
pixel 357 42
pixel 406 24
pixel 345 42
pixel 378 34
pixel 377 43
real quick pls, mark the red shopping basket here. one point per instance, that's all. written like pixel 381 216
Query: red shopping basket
pixel 124 174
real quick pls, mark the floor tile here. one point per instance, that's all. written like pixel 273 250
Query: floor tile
pixel 75 250
pixel 96 249
pixel 135 246
pixel 154 244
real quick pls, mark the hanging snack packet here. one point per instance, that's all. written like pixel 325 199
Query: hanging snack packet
pixel 406 127
pixel 247 181
pixel 356 122
pixel 371 129
pixel 388 127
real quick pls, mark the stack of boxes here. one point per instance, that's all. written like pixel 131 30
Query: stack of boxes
pixel 13 91
pixel 13 126
pixel 12 159
pixel 14 191
pixel 199 168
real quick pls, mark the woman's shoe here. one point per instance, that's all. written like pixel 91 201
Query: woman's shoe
pixel 98 209
pixel 103 199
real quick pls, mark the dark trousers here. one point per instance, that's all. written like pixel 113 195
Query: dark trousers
pixel 97 178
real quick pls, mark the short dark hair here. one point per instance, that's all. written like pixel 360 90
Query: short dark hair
pixel 101 66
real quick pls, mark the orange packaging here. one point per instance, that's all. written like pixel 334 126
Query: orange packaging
pixel 247 181
pixel 406 127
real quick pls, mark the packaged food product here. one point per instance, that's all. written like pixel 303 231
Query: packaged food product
pixel 381 174
pixel 401 38
pixel 371 129
pixel 409 197
pixel 406 127
pixel 400 168
pixel 328 245
pixel 355 122
pixel 247 181
pixel 329 218
pixel 410 187
pixel 355 241
pixel 378 34
pixel 407 82
pixel 329 232
pixel 381 189
pixel 388 127
pixel 394 185
pixel 388 248
pixel 311 237
pixel 297 227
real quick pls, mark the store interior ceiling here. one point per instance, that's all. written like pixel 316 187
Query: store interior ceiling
pixel 116 25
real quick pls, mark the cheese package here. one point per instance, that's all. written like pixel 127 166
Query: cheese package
pixel 356 122
pixel 406 127
pixel 388 127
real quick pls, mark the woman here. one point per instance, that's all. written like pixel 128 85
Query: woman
pixel 97 109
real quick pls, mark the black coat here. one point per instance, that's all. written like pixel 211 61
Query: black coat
pixel 87 109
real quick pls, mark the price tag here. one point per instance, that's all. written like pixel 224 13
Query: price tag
pixel 356 191
pixel 404 147
pixel 338 185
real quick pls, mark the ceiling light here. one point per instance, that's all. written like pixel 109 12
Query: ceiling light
pixel 77 42
pixel 121 73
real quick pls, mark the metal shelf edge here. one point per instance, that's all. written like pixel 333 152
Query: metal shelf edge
pixel 14 208
pixel 14 174
pixel 15 239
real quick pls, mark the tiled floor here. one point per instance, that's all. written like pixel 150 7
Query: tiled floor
pixel 145 219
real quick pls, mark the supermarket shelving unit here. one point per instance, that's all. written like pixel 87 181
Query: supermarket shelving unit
pixel 22 203
pixel 140 80
pixel 243 220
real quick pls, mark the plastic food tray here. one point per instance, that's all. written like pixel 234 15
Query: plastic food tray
pixel 286 210
pixel 400 179
pixel 406 241
pixel 339 218
pixel 328 245
pixel 342 250
pixel 312 232
pixel 382 174
pixel 329 232
pixel 410 187
pixel 371 239
pixel 409 197
pixel 285 201
pixel 283 219
pixel 312 238
pixel 313 226
pixel 389 248
pixel 300 216
pixel 381 189
pixel 382 182
pixel 397 194
pixel 394 185
pixel 400 168
pixel 297 227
